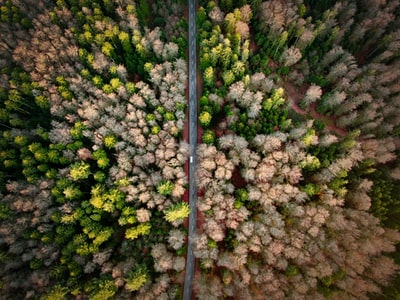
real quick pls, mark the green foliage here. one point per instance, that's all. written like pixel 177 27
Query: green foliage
pixel 208 137
pixel 102 236
pixel 35 264
pixel 169 116
pixel 65 93
pixel 134 232
pixel 72 192
pixel 77 130
pixel 108 50
pixel 58 292
pixel 318 80
pixel 102 159
pixel 241 197
pixel 209 77
pixel 155 130
pixel 42 102
pixel 150 119
pixel 5 212
pixel 165 187
pixel 229 77
pixel 130 87
pixel 318 7
pixel 272 117
pixel 311 189
pixel 177 212
pixel 276 100
pixel 99 176
pixel 201 16
pixel 385 196
pixel 128 216
pixel 107 88
pixel 136 278
pixel 212 244
pixel 38 151
pixel 283 70
pixel 143 12
pixel 204 101
pixel 205 119
pixel 309 137
pixel 107 200
pixel 110 141
pixel 97 81
pixel 18 107
pixel 291 271
pixel 319 125
pixel 326 285
pixel 230 240
pixel 102 288
pixel 115 83
pixel 310 163
pixel 11 14
pixel 79 170
pixel 338 185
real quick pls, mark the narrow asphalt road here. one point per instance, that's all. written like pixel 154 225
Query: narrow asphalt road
pixel 190 261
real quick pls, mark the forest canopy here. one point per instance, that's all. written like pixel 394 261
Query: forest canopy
pixel 298 170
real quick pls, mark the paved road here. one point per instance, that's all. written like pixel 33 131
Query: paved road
pixel 190 261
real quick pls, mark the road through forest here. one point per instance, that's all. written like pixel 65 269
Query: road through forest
pixel 190 261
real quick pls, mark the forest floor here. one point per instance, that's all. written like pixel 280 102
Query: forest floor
pixel 295 95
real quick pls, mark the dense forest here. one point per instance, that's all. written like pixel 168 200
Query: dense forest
pixel 298 165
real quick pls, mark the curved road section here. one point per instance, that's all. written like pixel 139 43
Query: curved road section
pixel 190 261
